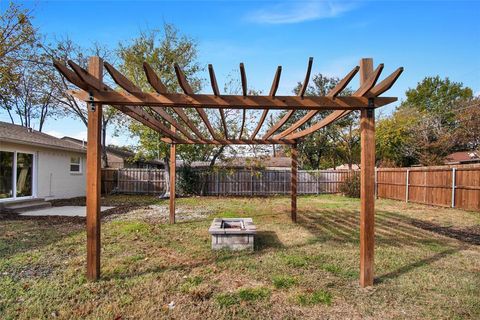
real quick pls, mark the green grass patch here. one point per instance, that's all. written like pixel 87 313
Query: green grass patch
pixel 339 271
pixel 315 297
pixel 132 227
pixel 294 260
pixel 243 295
pixel 253 294
pixel 225 300
pixel 191 283
pixel 283 282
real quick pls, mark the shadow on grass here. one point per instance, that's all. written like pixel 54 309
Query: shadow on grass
pixel 391 229
pixel 267 239
pixel 417 264
pixel 471 235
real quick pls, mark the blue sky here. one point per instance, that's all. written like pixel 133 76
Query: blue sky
pixel 425 37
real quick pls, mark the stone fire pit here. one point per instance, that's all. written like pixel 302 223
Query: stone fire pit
pixel 232 233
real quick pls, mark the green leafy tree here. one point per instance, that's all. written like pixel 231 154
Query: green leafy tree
pixel 161 49
pixel 395 138
pixel 437 97
pixel 422 130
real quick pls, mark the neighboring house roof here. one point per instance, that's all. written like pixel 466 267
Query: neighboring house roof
pixel 266 162
pixel 122 153
pixel 18 134
pixel 463 157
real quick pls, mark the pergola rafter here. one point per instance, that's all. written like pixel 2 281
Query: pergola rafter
pixel 301 93
pixel 333 93
pixel 273 92
pixel 151 109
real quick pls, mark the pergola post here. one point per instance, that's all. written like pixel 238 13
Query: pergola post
pixel 294 178
pixel 172 180
pixel 95 69
pixel 367 184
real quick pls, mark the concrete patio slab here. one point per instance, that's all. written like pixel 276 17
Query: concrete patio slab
pixel 65 211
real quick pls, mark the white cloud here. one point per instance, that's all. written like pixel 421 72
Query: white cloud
pixel 301 11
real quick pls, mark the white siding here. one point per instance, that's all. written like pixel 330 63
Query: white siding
pixel 53 179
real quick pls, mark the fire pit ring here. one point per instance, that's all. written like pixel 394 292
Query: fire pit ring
pixel 232 233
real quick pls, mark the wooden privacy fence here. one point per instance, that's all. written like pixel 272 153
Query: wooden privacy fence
pixel 133 181
pixel 268 182
pixel 448 186
pixel 226 182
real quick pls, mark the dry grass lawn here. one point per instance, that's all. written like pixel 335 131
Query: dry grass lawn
pixel 427 263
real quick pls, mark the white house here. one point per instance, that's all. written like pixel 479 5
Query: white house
pixel 35 165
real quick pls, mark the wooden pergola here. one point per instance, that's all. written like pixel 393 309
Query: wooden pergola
pixel 164 112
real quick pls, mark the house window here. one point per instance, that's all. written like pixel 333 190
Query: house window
pixel 75 165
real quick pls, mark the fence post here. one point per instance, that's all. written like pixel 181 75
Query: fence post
pixel 454 171
pixel 376 183
pixel 425 186
pixel 407 184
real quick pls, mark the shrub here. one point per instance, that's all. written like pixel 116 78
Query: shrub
pixel 188 181
pixel 351 186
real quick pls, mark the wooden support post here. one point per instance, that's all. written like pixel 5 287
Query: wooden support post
pixel 367 182
pixel 172 181
pixel 93 189
pixel 294 177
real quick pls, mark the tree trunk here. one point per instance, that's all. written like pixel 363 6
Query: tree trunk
pixel 166 160
pixel 104 148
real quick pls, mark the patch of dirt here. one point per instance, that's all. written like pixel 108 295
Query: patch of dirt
pixel 29 272
pixel 51 220
pixel 158 213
